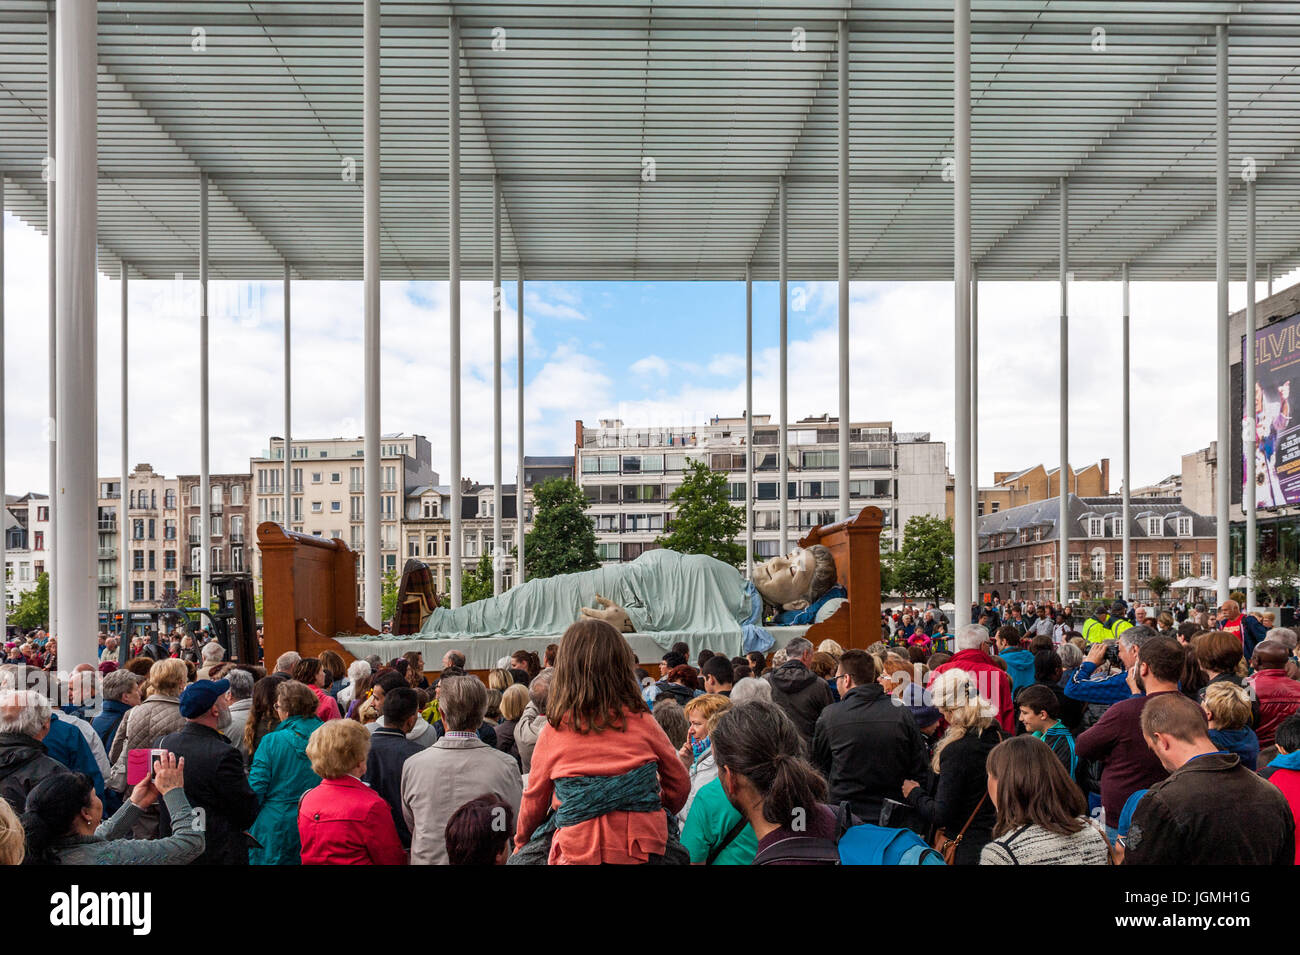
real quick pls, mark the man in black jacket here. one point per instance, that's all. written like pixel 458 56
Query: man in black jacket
pixel 867 744
pixel 215 783
pixel 24 762
pixel 1210 810
pixel 389 749
pixel 797 690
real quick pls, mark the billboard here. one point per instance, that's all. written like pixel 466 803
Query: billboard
pixel 1276 468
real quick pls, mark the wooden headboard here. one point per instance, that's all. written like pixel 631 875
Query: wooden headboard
pixel 855 545
pixel 309 588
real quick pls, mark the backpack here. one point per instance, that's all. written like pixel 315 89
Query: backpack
pixel 854 844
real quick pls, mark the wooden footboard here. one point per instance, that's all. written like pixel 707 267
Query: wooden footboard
pixel 309 593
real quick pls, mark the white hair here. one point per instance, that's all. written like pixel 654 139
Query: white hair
pixel 358 670
pixel 972 636
pixel 751 688
pixel 213 651
pixel 287 661
pixel 1283 635
pixel 23 711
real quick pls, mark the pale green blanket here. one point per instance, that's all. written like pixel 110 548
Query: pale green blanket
pixel 665 593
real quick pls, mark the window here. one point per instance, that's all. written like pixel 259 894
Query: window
pixel 216 525
pixel 726 462
pixel 336 507
pixel 1038 568
pixel 877 488
pixel 1097 564
pixel 1184 527
pixel 137 560
pixel 169 499
pixel 169 560
pixel 40 541
pixel 471 545
pixel 152 563
pixel 608 551
pixel 605 523
pixel 766 549
pixel 1184 565
pixel 674 462
pixel 216 560
pixel 1119 566
pixel 1095 527
pixel 196 560
pixel 431 507
pixel 1155 527
pixel 412 546
pixel 196 498
pixel 431 547
pixel 316 507
pixel 336 477
pixel 643 522
pixel 1207 565
pixel 1166 565
pixel 821 489
pixel 169 590
pixel 218 494
pixel 237 494
pixel 1047 568
pixel 996 505
pixel 1023 566
pixel 316 477
pixel 822 459
pixel 643 492
pixel 1144 566
pixel 137 529
pixel 169 529
pixel 137 590
pixel 1073 569
pixel 152 527
pixel 633 551
pixel 153 593
pixel 237 527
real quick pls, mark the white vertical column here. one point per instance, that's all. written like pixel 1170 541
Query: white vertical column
pixel 498 558
pixel 1248 405
pixel 1063 420
pixel 4 509
pixel 520 523
pixel 1126 512
pixel 52 542
pixel 453 291
pixel 961 287
pixel 123 554
pixel 288 407
pixel 1270 279
pixel 205 491
pixel 749 423
pixel 974 432
pixel 843 243
pixel 372 557
pixel 75 369
pixel 784 465
pixel 1223 473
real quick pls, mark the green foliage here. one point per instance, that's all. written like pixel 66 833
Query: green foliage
pixel 1159 586
pixel 923 566
pixel 1276 580
pixel 33 609
pixel 477 584
pixel 388 595
pixel 705 522
pixel 562 540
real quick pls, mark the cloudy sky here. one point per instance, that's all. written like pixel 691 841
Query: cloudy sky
pixel 664 353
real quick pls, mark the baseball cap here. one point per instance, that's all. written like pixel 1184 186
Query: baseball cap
pixel 200 696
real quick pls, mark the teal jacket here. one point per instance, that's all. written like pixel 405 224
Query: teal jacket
pixel 1062 744
pixel 280 774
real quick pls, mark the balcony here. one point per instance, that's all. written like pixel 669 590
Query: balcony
pixel 107 580
pixel 356 487
pixel 106 552
pixel 236 538
pixel 216 508
pixel 108 524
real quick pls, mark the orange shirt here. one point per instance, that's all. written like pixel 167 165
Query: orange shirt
pixel 616 837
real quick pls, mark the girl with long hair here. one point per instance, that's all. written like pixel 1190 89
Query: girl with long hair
pixel 1042 816
pixel 262 718
pixel 604 764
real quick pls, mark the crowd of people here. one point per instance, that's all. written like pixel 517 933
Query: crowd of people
pixel 1031 735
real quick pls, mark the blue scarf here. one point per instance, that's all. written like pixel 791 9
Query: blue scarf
pixel 589 797
pixel 1286 761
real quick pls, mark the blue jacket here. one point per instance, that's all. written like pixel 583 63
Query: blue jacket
pixel 1241 741
pixel 105 724
pixel 1020 667
pixel 66 745
pixel 280 774
pixel 1252 632
pixel 1110 690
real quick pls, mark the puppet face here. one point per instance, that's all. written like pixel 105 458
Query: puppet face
pixel 785 581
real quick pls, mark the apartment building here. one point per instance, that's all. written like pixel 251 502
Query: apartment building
pixel 27 540
pixel 149 533
pixel 327 492
pixel 229 529
pixel 628 475
pixel 426 529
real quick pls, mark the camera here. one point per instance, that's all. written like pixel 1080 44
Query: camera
pixel 1112 653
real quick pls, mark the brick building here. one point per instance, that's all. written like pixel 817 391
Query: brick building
pixel 1038 483
pixel 231 526
pixel 1022 546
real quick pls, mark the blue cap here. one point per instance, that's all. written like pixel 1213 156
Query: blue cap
pixel 200 696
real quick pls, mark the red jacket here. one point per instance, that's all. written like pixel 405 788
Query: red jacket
pixel 991 681
pixel 1279 697
pixel 345 822
pixel 1288 780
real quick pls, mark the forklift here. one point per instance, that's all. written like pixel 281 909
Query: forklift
pixel 234 622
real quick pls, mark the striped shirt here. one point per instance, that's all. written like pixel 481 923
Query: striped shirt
pixel 1034 845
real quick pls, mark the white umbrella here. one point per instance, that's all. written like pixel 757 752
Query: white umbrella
pixel 1238 582
pixel 1185 583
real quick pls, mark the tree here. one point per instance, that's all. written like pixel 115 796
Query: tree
pixel 388 595
pixel 562 540
pixel 477 584
pixel 1277 579
pixel 1159 586
pixel 33 609
pixel 1091 585
pixel 705 522
pixel 923 566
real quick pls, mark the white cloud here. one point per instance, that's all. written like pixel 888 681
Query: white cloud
pixel 649 365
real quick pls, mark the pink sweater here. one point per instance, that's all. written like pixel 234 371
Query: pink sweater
pixel 616 837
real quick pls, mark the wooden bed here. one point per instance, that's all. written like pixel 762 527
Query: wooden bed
pixel 310 591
